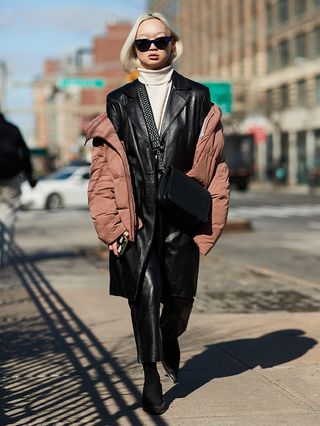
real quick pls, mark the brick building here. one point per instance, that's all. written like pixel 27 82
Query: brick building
pixel 269 50
pixel 63 109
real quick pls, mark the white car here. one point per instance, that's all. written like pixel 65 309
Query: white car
pixel 67 187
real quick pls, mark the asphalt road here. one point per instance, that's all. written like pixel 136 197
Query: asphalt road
pixel 275 266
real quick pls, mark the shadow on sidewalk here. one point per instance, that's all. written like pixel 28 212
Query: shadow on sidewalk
pixel 237 356
pixel 53 368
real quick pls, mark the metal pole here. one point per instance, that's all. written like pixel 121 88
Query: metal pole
pixel 3 83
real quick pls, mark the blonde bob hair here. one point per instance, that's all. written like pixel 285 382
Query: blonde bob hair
pixel 128 56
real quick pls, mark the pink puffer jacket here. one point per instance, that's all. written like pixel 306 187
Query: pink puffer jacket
pixel 110 193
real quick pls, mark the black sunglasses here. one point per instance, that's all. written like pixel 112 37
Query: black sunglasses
pixel 144 44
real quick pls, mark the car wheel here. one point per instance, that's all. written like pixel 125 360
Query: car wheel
pixel 54 202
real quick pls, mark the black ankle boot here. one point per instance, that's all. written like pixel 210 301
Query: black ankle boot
pixel 171 357
pixel 152 397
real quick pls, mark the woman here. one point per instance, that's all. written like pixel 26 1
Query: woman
pixel 160 263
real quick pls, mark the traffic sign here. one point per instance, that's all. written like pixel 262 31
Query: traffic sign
pixel 84 82
pixel 221 94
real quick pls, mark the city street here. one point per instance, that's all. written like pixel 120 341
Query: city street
pixel 228 88
pixel 285 235
pixel 250 355
pixel 277 258
pixel 273 266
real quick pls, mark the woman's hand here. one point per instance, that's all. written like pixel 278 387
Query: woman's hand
pixel 114 246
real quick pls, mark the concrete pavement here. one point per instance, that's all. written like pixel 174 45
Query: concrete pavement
pixel 68 355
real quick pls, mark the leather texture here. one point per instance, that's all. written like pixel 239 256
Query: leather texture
pixel 184 198
pixel 187 107
pixel 145 310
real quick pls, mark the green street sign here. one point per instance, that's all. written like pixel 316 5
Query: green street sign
pixel 83 82
pixel 220 94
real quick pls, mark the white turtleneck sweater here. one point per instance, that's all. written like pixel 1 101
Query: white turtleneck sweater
pixel 158 84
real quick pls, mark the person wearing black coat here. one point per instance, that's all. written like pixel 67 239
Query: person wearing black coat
pixel 14 161
pixel 161 265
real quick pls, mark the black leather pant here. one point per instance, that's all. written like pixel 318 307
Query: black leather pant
pixel 148 325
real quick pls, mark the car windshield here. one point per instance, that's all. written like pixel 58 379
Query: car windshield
pixel 60 174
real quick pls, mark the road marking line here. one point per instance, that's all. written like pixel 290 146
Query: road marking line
pixel 275 211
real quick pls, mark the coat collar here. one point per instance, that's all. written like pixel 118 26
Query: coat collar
pixel 178 82
pixel 176 102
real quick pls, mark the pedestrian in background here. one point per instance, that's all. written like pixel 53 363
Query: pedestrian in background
pixel 161 261
pixel 313 180
pixel 15 164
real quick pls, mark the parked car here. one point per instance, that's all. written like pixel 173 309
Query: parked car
pixel 67 187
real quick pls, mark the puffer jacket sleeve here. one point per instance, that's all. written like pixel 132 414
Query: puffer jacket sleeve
pixel 101 196
pixel 219 190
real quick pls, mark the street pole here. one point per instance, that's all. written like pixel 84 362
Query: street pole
pixel 3 83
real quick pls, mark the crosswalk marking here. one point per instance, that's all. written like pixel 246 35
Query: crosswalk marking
pixel 282 211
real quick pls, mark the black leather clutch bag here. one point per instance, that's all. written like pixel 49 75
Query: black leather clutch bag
pixel 182 197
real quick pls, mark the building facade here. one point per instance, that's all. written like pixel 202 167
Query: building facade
pixel 65 99
pixel 269 50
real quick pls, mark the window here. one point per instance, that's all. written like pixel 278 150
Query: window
pixel 61 174
pixel 284 53
pixel 269 101
pixel 301 46
pixel 317 148
pixel 300 7
pixel 316 42
pixel 284 151
pixel 283 11
pixel 86 176
pixel 269 159
pixel 269 18
pixel 301 92
pixel 318 89
pixel 254 15
pixel 284 96
pixel 302 156
pixel 270 64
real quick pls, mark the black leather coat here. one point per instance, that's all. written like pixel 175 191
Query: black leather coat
pixel 187 107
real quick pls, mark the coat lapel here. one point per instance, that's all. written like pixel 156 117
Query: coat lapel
pixel 133 107
pixel 176 102
pixel 174 106
pixel 135 114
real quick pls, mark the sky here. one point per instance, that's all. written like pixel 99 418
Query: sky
pixel 34 30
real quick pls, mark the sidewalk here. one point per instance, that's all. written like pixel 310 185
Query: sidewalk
pixel 282 189
pixel 68 355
